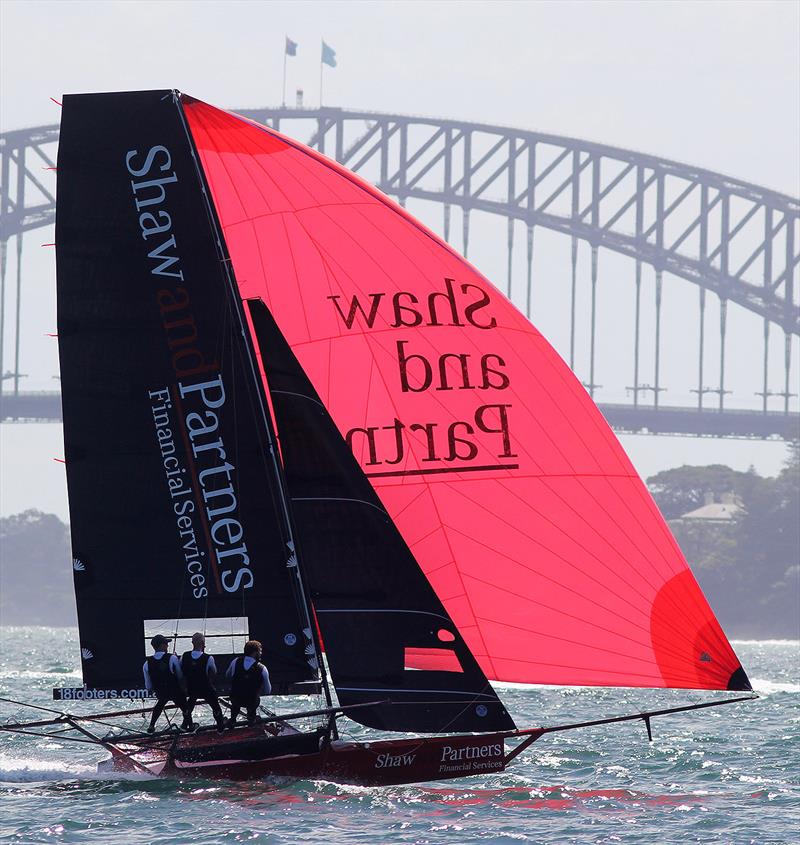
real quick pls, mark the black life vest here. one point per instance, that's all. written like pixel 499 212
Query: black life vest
pixel 246 683
pixel 163 681
pixel 195 671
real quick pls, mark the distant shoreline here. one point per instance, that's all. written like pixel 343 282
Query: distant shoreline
pixel 733 641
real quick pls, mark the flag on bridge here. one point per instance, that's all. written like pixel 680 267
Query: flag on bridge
pixel 328 55
pixel 289 50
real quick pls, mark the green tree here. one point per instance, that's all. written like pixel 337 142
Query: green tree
pixel 683 489
pixel 768 546
pixel 748 568
pixel 35 571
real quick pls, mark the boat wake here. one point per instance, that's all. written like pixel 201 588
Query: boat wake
pixel 31 770
pixel 20 770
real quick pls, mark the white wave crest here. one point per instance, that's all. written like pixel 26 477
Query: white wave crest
pixel 764 687
pixel 29 673
pixel 795 643
pixel 31 770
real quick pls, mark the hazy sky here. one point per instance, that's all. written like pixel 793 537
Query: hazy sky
pixel 715 84
pixel 711 83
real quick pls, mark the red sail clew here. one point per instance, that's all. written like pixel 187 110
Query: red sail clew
pixel 506 482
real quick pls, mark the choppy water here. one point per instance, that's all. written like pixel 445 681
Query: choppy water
pixel 729 775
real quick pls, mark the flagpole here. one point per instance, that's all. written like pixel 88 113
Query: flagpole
pixel 320 80
pixel 283 99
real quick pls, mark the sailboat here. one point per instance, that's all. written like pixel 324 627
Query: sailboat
pixel 293 414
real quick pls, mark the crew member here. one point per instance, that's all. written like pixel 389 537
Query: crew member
pixel 249 680
pixel 200 670
pixel 162 674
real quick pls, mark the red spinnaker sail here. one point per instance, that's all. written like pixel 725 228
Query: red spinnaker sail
pixel 503 477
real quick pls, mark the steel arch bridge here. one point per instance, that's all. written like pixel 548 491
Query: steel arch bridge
pixel 735 240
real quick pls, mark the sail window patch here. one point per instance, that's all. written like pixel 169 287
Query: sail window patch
pixel 224 634
pixel 432 660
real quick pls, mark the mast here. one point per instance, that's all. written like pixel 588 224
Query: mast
pixel 274 461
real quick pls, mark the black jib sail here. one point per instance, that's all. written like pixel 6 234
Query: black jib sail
pixel 175 506
pixel 372 600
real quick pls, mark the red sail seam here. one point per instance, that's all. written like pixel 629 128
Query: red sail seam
pixel 644 556
pixel 615 551
pixel 698 600
pixel 544 577
pixel 363 185
pixel 290 248
pixel 682 679
pixel 579 643
pixel 210 127
pixel 517 477
pixel 561 557
pixel 480 637
pixel 721 640
pixel 681 682
pixel 640 643
pixel 417 497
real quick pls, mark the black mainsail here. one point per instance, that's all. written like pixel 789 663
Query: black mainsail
pixel 372 601
pixel 175 510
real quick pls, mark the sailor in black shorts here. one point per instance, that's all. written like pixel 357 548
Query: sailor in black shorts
pixel 200 670
pixel 249 680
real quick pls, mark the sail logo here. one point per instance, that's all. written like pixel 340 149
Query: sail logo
pixel 148 195
pixel 470 752
pixel 215 479
pixel 385 761
pixel 481 442
pixel 203 483
pixel 212 494
pixel 472 758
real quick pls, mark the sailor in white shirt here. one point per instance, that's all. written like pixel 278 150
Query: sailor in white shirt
pixel 200 670
pixel 249 680
pixel 163 675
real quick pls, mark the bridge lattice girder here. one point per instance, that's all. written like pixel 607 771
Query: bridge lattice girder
pixel 739 240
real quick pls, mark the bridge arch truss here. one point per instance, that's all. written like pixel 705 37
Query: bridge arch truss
pixel 734 240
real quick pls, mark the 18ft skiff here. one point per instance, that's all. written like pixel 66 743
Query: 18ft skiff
pixel 293 414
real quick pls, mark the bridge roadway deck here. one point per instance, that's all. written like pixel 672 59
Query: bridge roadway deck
pixel 644 419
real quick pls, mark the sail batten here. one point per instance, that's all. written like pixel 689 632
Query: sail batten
pixel 484 449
